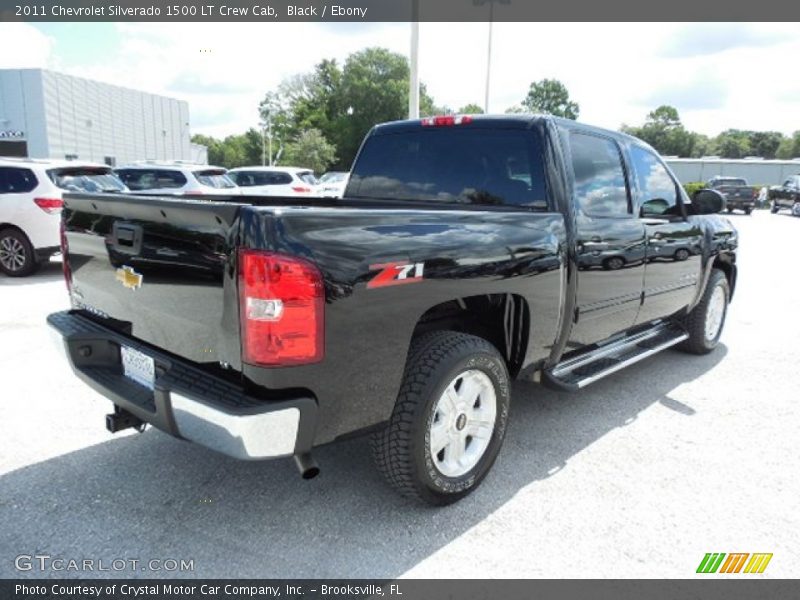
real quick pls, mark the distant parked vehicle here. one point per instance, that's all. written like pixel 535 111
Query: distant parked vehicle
pixel 275 181
pixel 30 203
pixel 786 195
pixel 738 193
pixel 172 178
pixel 332 184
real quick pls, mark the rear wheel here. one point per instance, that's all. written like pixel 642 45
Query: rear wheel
pixel 748 210
pixel 705 322
pixel 774 208
pixel 449 421
pixel 729 209
pixel 17 258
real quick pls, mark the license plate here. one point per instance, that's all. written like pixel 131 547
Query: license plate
pixel 138 367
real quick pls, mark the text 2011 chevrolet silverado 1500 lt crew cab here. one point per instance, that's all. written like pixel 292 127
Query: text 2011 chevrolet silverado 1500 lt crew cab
pixel 466 251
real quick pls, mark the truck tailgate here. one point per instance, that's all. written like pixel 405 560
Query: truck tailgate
pixel 157 269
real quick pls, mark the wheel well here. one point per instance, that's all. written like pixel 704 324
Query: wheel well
pixel 724 264
pixel 501 319
pixel 4 226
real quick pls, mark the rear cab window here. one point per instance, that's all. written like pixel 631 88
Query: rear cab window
pixel 17 180
pixel 455 165
pixel 86 179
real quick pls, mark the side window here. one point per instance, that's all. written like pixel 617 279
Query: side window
pixel 169 179
pixel 17 181
pixel 600 187
pixel 658 192
pixel 136 179
pixel 281 178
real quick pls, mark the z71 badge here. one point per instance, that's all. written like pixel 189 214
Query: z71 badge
pixel 395 273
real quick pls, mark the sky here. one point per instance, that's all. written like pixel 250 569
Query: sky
pixel 718 76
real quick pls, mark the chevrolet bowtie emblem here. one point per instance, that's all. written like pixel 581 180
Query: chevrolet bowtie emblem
pixel 129 278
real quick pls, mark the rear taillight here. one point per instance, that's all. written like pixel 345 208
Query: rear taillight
pixel 301 189
pixel 446 120
pixel 282 309
pixel 49 205
pixel 65 257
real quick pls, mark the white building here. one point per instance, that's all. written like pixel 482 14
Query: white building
pixel 755 171
pixel 44 114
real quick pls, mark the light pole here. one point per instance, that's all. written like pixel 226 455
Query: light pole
pixel 266 133
pixel 491 4
pixel 413 80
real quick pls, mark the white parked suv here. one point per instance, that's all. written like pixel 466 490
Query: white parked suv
pixel 30 205
pixel 176 178
pixel 275 181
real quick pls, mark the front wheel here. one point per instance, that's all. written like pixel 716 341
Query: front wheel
pixel 774 208
pixel 681 254
pixel 614 263
pixel 748 210
pixel 449 421
pixel 705 322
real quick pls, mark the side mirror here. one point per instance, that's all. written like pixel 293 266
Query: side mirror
pixel 707 202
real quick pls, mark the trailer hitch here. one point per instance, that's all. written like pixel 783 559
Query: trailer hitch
pixel 121 419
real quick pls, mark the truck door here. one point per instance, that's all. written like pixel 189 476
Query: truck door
pixel 610 241
pixel 674 242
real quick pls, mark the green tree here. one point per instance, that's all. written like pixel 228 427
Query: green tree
pixel 374 89
pixel 765 143
pixel 470 109
pixel 732 143
pixel 550 96
pixel 664 131
pixel 789 147
pixel 310 149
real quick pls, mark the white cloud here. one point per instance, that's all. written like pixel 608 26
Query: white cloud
pixel 616 71
pixel 22 46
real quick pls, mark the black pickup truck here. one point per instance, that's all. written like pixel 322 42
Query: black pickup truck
pixel 739 195
pixel 465 252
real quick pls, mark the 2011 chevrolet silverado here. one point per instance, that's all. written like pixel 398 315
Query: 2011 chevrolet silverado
pixel 465 252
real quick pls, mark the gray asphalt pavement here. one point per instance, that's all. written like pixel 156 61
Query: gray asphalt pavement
pixel 639 475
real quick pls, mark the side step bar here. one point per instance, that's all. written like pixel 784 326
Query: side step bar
pixel 579 371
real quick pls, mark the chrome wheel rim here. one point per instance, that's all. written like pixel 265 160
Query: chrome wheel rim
pixel 12 254
pixel 462 423
pixel 715 313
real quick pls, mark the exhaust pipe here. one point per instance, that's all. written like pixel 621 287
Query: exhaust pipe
pixel 306 465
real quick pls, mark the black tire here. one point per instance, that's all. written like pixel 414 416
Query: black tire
pixel 614 263
pixel 681 254
pixel 17 257
pixel 695 321
pixel 729 209
pixel 774 208
pixel 401 449
pixel 748 210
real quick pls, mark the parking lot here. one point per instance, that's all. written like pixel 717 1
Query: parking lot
pixel 639 475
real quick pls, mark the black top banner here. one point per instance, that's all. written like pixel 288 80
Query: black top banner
pixel 240 11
